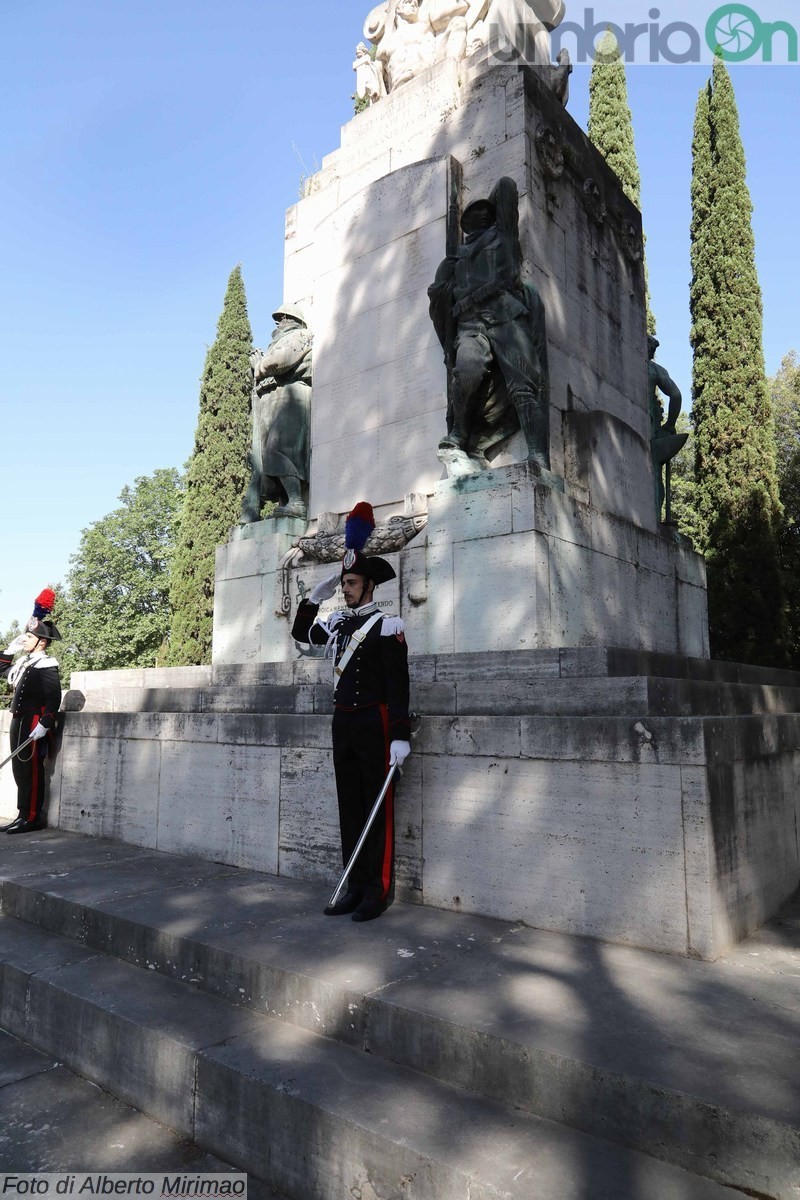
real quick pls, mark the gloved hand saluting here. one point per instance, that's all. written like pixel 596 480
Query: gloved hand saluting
pixel 17 644
pixel 38 732
pixel 398 753
pixel 326 589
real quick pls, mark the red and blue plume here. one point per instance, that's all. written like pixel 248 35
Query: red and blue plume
pixel 44 603
pixel 358 526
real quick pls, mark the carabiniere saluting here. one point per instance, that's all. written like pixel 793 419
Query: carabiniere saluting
pixel 371 727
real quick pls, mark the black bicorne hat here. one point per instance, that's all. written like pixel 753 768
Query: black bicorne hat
pixel 43 629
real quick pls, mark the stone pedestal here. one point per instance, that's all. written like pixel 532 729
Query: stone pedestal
pixel 246 579
pixel 514 560
pixel 511 559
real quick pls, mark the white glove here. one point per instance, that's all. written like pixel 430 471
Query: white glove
pixel 398 753
pixel 326 589
pixel 38 732
pixel 17 644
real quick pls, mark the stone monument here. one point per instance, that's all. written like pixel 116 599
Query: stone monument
pixel 582 765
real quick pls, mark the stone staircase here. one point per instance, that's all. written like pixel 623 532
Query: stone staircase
pixel 428 1056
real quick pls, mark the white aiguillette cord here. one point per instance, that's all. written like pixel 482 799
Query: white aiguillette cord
pixel 18 668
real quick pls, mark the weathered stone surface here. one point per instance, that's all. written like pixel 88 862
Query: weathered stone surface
pixel 571 842
pixel 234 819
pixel 54 1121
pixel 114 1044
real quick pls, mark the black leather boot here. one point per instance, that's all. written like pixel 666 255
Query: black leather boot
pixel 346 904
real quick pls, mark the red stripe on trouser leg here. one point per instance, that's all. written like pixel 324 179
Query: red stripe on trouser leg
pixel 35 769
pixel 388 803
pixel 37 780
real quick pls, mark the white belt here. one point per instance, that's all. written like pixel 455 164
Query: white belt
pixel 355 643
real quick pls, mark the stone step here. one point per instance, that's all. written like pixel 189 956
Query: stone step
pixel 638 696
pixel 693 1063
pixel 297 1110
pixel 566 663
pixel 55 1121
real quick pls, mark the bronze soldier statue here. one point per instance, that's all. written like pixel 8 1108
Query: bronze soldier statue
pixel 665 441
pixel 279 455
pixel 492 328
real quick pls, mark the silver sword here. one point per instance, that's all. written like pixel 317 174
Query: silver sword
pixel 370 820
pixel 14 753
pixel 415 720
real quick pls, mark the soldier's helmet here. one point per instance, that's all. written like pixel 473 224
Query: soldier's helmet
pixel 470 213
pixel 289 310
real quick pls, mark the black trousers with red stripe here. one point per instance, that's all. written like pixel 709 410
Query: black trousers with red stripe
pixel 28 767
pixel 361 763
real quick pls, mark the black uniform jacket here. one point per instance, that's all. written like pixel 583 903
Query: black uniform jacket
pixel 36 690
pixel 377 673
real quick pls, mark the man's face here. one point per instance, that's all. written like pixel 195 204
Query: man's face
pixel 356 590
pixel 31 643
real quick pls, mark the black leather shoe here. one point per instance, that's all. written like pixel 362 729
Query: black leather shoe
pixel 13 824
pixel 347 904
pixel 20 826
pixel 369 909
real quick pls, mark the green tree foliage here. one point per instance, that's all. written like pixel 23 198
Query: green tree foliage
pixel 5 640
pixel 785 395
pixel 611 128
pixel 684 499
pixel 738 507
pixel 113 611
pixel 218 473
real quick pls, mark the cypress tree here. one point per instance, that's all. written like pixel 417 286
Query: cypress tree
pixel 611 128
pixel 737 491
pixel 217 475
pixel 785 396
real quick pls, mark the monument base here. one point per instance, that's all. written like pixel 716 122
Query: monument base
pixel 638 798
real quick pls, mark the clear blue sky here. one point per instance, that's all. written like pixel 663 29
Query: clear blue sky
pixel 149 147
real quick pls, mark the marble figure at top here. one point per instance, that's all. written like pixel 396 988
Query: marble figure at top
pixel 409 36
